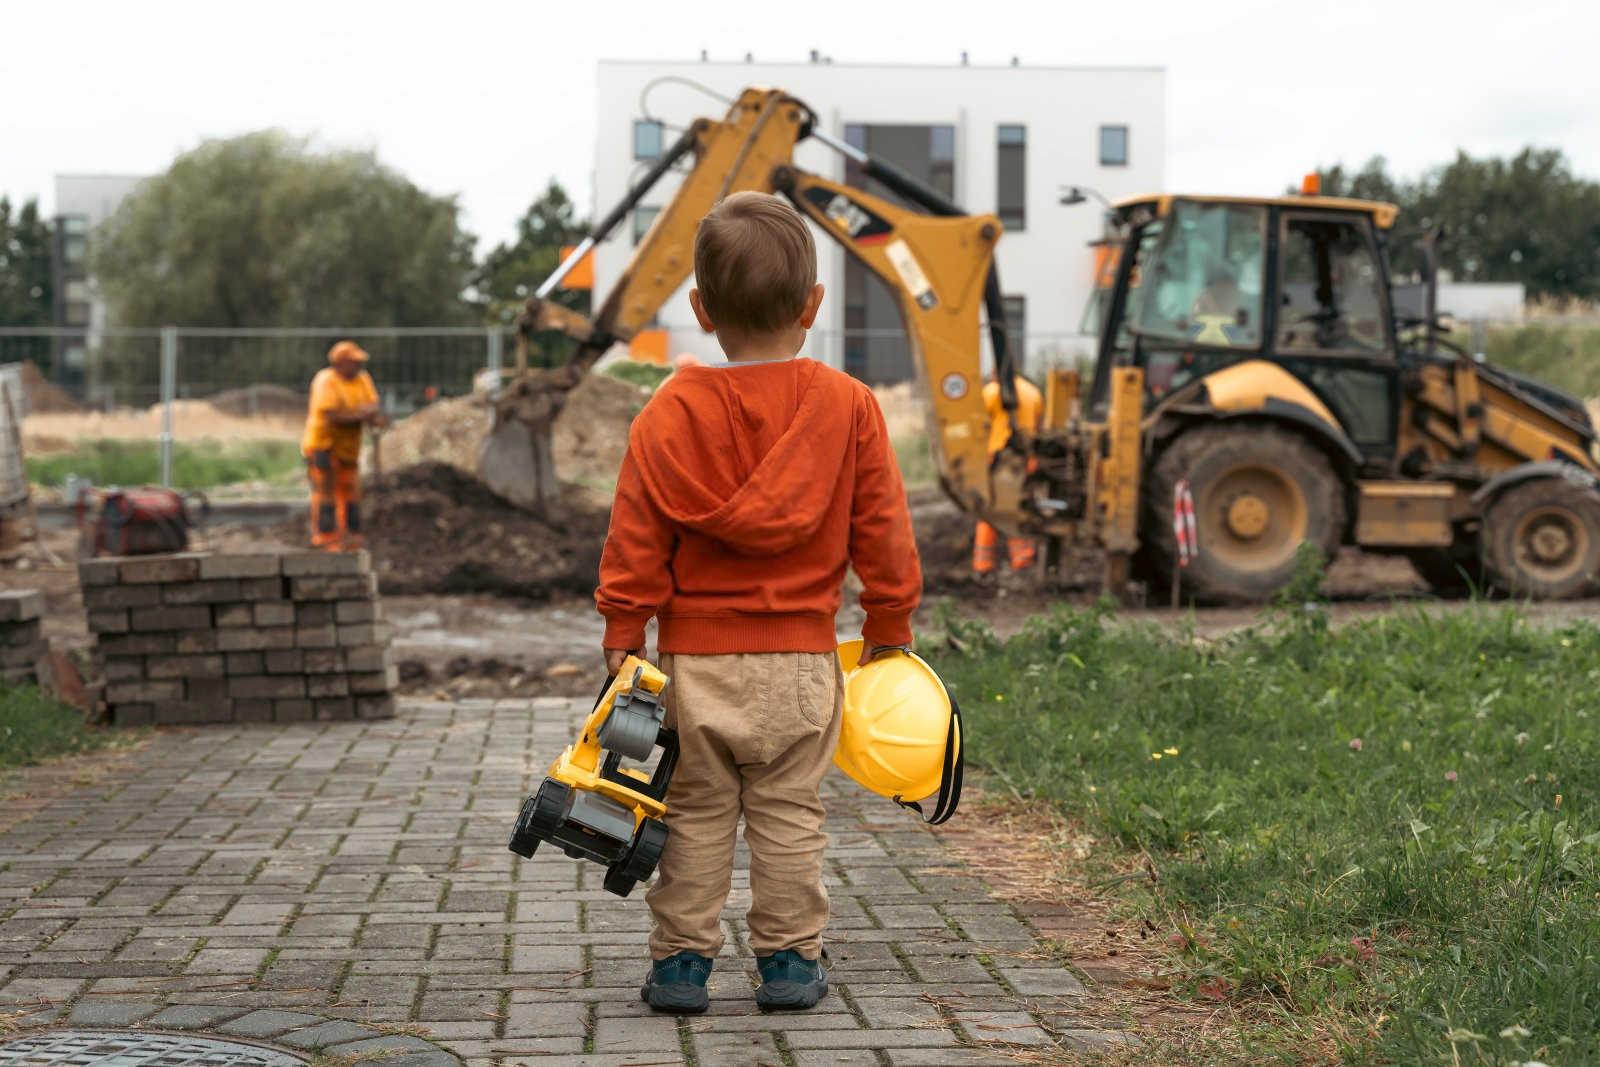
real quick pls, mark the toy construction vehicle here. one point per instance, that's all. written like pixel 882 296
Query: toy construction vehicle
pixel 592 807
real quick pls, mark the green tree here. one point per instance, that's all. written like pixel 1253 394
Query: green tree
pixel 513 271
pixel 262 230
pixel 24 265
pixel 1525 219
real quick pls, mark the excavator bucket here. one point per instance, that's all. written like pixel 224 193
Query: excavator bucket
pixel 517 460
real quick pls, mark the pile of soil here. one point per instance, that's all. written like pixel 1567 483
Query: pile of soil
pixel 272 401
pixel 45 397
pixel 590 433
pixel 433 528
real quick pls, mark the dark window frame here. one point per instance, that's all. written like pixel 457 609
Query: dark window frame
pixel 643 217
pixel 1127 144
pixel 639 125
pixel 1013 216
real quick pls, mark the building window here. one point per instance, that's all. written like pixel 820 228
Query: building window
pixel 1113 146
pixel 1011 176
pixel 643 219
pixel 1016 312
pixel 647 138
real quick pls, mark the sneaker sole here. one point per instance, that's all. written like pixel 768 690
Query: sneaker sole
pixel 683 1000
pixel 791 996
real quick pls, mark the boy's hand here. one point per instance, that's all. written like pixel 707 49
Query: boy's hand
pixel 615 657
pixel 870 652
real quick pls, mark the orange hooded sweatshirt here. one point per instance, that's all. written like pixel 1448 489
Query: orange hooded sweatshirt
pixel 745 492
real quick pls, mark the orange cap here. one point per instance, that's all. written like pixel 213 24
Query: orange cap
pixel 347 350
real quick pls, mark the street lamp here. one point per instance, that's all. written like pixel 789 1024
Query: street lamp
pixel 1078 194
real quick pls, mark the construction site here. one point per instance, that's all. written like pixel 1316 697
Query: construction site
pixel 1259 608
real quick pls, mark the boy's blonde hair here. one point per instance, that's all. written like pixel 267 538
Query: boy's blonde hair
pixel 754 263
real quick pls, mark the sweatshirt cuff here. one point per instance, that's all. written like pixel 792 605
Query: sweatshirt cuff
pixel 882 628
pixel 625 633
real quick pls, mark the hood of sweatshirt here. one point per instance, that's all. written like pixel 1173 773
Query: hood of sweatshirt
pixel 749 455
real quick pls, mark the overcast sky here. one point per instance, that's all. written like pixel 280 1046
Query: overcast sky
pixel 488 100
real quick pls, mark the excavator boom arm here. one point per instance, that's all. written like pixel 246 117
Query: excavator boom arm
pixel 939 265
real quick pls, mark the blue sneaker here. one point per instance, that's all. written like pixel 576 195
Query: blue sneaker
pixel 678 984
pixel 790 982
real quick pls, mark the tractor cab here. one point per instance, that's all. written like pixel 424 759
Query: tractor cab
pixel 1206 283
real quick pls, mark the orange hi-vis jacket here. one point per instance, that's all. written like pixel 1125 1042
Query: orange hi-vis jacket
pixel 330 393
pixel 745 493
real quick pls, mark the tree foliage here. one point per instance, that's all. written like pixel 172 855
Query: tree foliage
pixel 24 265
pixel 1524 219
pixel 512 272
pixel 262 230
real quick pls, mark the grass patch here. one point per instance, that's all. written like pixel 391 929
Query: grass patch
pixel 195 465
pixel 916 461
pixel 1567 357
pixel 1359 827
pixel 645 375
pixel 35 728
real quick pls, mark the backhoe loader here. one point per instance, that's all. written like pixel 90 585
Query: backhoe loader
pixel 1250 359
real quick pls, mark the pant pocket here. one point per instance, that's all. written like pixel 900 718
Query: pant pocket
pixel 816 681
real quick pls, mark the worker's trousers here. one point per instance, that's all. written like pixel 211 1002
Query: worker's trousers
pixel 986 545
pixel 756 733
pixel 335 501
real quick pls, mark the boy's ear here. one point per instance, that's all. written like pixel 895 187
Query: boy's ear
pixel 700 312
pixel 813 304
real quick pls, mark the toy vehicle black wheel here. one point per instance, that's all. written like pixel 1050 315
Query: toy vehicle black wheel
pixel 540 817
pixel 549 807
pixel 618 882
pixel 523 840
pixel 648 843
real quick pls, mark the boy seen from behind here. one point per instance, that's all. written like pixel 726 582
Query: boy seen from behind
pixel 746 491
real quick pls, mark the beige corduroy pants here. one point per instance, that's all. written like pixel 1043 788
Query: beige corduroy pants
pixel 756 733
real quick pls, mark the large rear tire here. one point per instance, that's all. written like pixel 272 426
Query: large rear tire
pixel 1542 539
pixel 1259 491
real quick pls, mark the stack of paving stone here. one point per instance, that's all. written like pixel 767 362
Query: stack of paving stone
pixel 201 637
pixel 22 643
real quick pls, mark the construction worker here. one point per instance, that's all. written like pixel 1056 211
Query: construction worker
pixel 343 400
pixel 1030 407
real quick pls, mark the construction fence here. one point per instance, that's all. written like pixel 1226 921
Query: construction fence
pixel 248 372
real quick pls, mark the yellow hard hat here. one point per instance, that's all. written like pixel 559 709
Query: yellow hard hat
pixel 900 735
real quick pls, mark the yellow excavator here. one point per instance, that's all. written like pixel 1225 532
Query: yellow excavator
pixel 1251 364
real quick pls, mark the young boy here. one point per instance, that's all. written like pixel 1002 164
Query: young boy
pixel 746 491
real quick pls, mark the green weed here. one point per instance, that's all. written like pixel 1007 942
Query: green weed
pixel 195 465
pixel 35 727
pixel 1390 826
pixel 1567 357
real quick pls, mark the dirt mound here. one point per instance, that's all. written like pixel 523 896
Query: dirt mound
pixel 45 397
pixel 435 529
pixel 273 401
pixel 591 432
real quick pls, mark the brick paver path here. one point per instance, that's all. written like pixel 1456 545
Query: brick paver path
pixel 226 876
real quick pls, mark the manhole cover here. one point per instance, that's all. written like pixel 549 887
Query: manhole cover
pixel 122 1048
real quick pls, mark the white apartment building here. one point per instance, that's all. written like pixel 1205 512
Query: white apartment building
pixel 1001 139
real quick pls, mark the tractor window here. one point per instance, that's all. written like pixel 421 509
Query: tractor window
pixel 1330 294
pixel 1205 285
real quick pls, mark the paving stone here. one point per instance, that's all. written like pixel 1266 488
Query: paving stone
pixel 272 879
pixel 192 1017
pixel 267 1023
pixel 251 565
pixel 322 1035
pixel 112 1011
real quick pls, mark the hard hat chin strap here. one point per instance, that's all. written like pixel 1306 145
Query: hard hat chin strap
pixel 955 756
